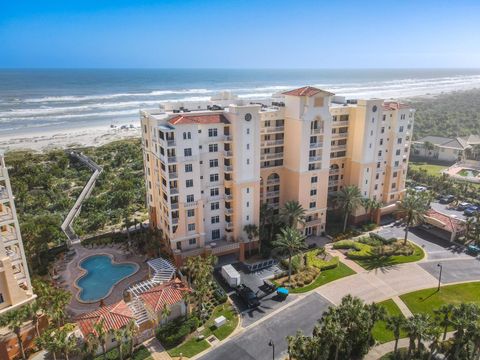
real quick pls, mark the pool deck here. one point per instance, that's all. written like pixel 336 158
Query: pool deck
pixel 70 271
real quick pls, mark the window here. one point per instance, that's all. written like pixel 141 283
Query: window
pixel 191 227
pixel 314 179
pixel 401 129
pixel 248 204
pixel 2 300
pixel 313 192
pixel 399 140
pixel 313 204
pixel 215 219
pixel 214 192
pixel 190 212
pixel 248 190
pixel 381 141
pixel 187 152
pixel 378 165
pixel 192 241
pixel 376 186
pixel 214 206
pixel 213 177
pixel 213 163
pixel 212 147
pixel 377 176
pixel 394 174
pixel 384 117
pixel 179 246
pixel 394 185
pixel 380 153
pixel 188 168
pixel 215 234
pixel 190 198
pixel 189 183
pixel 248 131
pixel 397 163
pixel 397 152
pixel 248 146
pixel 248 161
pixel 382 130
pixel 212 132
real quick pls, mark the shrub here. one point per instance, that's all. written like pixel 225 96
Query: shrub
pixel 175 332
pixel 382 239
pixel 314 260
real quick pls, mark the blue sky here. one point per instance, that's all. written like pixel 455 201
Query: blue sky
pixel 239 34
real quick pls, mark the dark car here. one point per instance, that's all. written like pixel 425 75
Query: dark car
pixel 463 205
pixel 447 199
pixel 471 211
pixel 248 296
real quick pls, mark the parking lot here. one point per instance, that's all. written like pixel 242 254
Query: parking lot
pixel 254 280
pixel 444 208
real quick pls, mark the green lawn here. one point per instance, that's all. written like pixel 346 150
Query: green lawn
pixel 192 346
pixel 326 276
pixel 380 332
pixel 426 301
pixel 385 261
pixel 431 169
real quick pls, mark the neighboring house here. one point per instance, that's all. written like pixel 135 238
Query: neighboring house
pixel 445 149
pixel 114 317
pixel 146 310
pixel 169 294
pixel 444 226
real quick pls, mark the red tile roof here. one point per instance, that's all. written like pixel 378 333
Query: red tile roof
pixel 449 224
pixel 168 293
pixel 307 91
pixel 199 119
pixel 394 105
pixel 114 316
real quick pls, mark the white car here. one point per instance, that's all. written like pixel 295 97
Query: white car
pixel 420 188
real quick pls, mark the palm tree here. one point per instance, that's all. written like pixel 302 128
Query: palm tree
pixel 417 327
pixel 395 324
pixel 49 342
pixel 67 344
pixel 443 314
pixel 428 146
pixel 130 333
pixel 119 335
pixel 348 199
pixel 291 241
pixel 35 314
pixel 252 233
pixel 14 320
pixel 293 213
pixel 102 336
pixel 90 345
pixel 412 208
pixel 166 312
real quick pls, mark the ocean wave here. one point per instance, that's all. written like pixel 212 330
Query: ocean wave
pixel 69 98
pixel 74 116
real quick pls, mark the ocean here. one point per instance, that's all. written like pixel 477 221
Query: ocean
pixel 36 101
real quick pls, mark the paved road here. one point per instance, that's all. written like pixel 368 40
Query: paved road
pixel 252 344
pixel 444 209
pixel 454 270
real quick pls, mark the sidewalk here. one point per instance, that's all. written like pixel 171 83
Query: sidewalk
pixel 156 349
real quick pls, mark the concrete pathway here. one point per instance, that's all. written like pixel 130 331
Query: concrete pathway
pixel 156 349
pixel 378 351
pixel 402 306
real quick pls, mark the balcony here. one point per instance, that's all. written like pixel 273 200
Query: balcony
pixel 228 197
pixel 334 171
pixel 272 129
pixel 174 206
pixel 190 204
pixel 314 158
pixel 3 193
pixel 171 143
pixel 316 131
pixel 273 182
pixel 338 147
pixel 173 175
pixel 174 221
pixel 8 237
pixel 266 143
pixel 228 153
pixel 173 190
pixel 6 215
pixel 172 159
pixel 313 222
pixel 340 135
pixel 340 123
pixel 3 173
pixel 228 168
pixel 271 194
pixel 227 138
pixel 229 225
pixel 333 182
pixel 228 211
pixel 14 256
pixel 316 145
pixel 272 156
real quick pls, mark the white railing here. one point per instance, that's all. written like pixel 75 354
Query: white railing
pixel 340 135
pixel 228 153
pixel 223 248
pixel 340 123
pixel 314 158
pixel 272 156
pixel 272 142
pixel 273 193
pixel 173 175
pixel 316 145
pixel 228 168
pixel 172 159
pixel 273 182
pixel 171 143
pixel 174 206
pixel 316 131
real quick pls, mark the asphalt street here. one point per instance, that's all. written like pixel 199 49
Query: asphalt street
pixel 252 344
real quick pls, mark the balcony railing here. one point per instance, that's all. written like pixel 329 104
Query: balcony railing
pixel 3 173
pixel 6 215
pixel 228 168
pixel 340 135
pixel 316 145
pixel 3 193
pixel 223 248
pixel 190 204
pixel 272 129
pixel 271 194
pixel 272 142
pixel 273 182
pixel 172 159
pixel 227 138
pixel 334 171
pixel 174 221
pixel 229 225
pixel 316 131
pixel 173 175
pixel 338 147
pixel 228 197
pixel 8 237
pixel 340 123
pixel 171 143
pixel 314 158
pixel 272 156
pixel 229 211
pixel 228 153
pixel 173 190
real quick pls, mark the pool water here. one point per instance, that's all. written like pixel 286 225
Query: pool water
pixel 468 172
pixel 101 277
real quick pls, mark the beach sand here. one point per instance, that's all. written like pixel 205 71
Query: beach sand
pixel 94 136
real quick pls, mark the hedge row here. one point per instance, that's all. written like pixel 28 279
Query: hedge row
pixel 176 331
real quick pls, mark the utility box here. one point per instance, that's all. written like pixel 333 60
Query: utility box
pixel 231 276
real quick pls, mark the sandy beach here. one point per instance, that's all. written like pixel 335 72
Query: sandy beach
pixel 94 136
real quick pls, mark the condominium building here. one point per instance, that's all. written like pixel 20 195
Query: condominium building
pixel 209 165
pixel 15 286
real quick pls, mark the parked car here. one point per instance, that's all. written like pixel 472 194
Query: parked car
pixel 248 296
pixel 471 211
pixel 420 188
pixel 473 250
pixel 463 205
pixel 447 199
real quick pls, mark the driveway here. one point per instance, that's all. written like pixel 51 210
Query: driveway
pixel 252 344
pixel 454 270
pixel 443 208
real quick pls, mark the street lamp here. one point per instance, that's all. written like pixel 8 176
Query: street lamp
pixel 272 344
pixel 439 276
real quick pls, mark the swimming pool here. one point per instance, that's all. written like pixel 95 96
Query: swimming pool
pixel 101 276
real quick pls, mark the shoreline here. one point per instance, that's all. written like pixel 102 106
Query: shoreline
pixel 98 135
